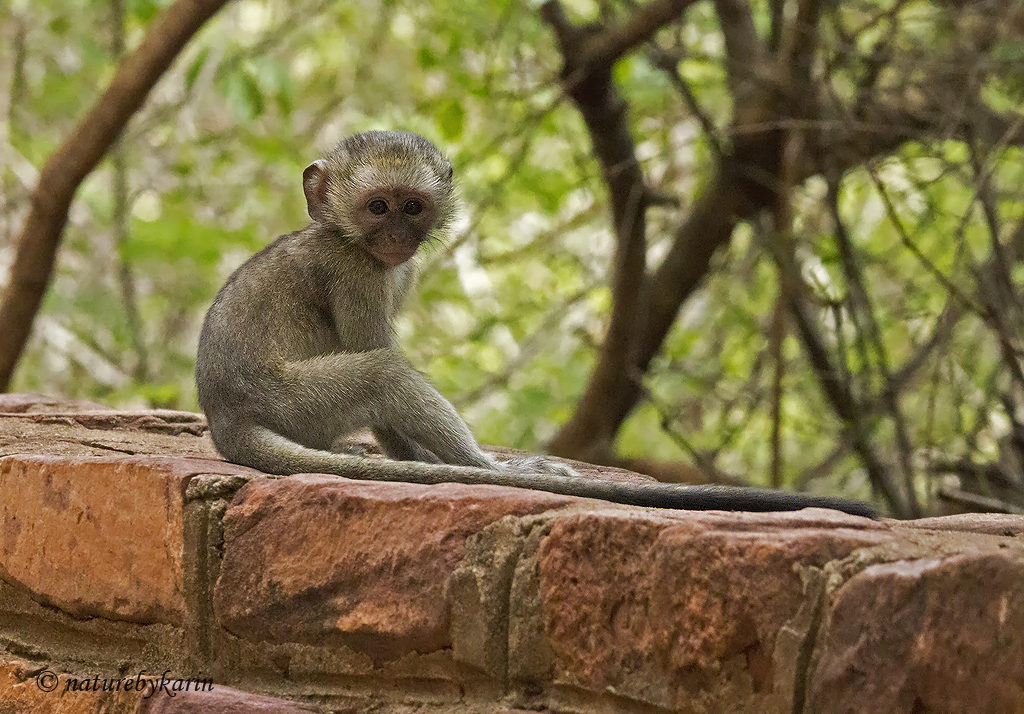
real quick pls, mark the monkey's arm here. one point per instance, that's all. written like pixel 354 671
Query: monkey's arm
pixel 318 399
pixel 342 392
pixel 274 453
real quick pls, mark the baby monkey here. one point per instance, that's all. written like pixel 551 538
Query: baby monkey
pixel 298 348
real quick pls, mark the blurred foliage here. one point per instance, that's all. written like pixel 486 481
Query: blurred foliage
pixel 508 311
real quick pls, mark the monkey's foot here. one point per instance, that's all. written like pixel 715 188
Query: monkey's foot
pixel 539 465
pixel 350 449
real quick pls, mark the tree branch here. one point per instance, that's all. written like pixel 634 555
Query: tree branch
pixel 861 308
pixel 607 47
pixel 81 151
pixel 835 390
pixel 589 83
pixel 743 47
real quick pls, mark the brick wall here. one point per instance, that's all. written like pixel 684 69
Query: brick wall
pixel 128 551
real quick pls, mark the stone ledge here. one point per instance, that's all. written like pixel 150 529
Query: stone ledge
pixel 125 542
pixel 941 634
pixel 1002 524
pixel 371 560
pixel 99 536
pixel 634 603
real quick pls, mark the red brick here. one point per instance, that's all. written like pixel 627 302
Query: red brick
pixel 928 635
pixel 323 560
pixel 659 606
pixel 98 536
pixel 1004 524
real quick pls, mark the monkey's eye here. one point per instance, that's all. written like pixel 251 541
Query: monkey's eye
pixel 377 206
pixel 412 207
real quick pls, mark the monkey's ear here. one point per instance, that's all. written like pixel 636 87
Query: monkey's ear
pixel 450 171
pixel 314 185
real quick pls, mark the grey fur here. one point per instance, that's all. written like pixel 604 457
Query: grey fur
pixel 298 349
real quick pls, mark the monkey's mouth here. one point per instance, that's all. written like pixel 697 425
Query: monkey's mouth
pixel 394 258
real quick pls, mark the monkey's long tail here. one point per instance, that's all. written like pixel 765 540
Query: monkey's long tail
pixel 709 497
pixel 272 453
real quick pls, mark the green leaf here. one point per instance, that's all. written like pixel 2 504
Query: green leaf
pixel 242 93
pixel 195 67
pixel 60 25
pixel 274 80
pixel 1010 51
pixel 145 10
pixel 426 58
pixel 451 120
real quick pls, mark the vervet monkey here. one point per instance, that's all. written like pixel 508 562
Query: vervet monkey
pixel 298 348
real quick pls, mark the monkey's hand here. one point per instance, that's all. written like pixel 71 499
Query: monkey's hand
pixel 539 465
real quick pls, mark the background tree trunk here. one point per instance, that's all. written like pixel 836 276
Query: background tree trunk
pixel 81 151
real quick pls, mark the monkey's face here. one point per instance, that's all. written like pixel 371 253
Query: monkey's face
pixel 387 191
pixel 392 222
